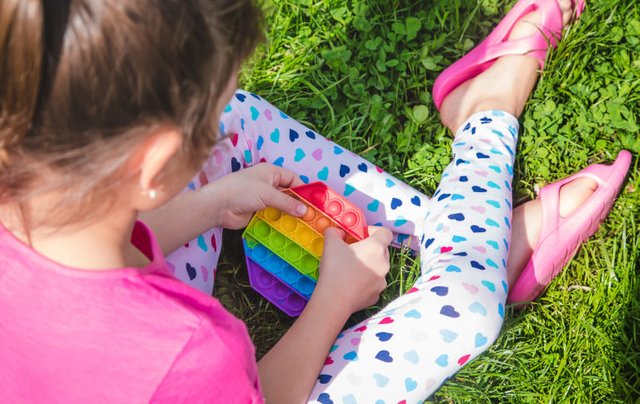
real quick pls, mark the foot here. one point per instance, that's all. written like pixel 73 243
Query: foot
pixel 506 85
pixel 527 223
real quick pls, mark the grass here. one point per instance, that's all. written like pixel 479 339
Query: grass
pixel 360 72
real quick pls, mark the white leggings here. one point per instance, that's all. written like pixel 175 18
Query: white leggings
pixel 456 307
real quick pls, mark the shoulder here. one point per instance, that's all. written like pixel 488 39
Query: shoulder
pixel 218 361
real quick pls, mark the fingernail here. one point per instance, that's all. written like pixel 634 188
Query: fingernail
pixel 301 209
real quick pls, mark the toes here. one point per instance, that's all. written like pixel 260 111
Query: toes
pixel 566 6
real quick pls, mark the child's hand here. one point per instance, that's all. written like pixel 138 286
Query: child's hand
pixel 228 202
pixel 352 276
pixel 247 191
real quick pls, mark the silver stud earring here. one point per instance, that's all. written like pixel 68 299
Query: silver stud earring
pixel 151 193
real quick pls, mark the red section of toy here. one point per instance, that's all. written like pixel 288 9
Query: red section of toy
pixel 346 215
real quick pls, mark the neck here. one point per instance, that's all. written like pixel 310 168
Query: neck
pixel 95 244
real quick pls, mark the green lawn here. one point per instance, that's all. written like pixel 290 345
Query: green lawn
pixel 360 72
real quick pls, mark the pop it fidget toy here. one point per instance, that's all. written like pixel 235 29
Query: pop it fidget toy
pixel 283 252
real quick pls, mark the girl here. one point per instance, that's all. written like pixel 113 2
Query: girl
pixel 108 108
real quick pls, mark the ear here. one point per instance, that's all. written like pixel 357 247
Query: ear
pixel 151 161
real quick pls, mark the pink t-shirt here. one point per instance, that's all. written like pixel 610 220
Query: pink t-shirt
pixel 121 336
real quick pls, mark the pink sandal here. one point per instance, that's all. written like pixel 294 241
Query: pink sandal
pixel 497 45
pixel 561 237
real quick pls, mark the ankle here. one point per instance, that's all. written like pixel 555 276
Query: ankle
pixel 456 116
pixel 505 86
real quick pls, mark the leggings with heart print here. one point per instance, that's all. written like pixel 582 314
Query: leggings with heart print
pixel 455 309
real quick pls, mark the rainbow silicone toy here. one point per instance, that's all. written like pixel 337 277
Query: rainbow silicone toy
pixel 283 252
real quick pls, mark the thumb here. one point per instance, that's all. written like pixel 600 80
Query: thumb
pixel 284 202
pixel 334 234
pixel 382 234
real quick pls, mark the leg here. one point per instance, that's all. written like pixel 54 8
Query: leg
pixel 196 262
pixel 506 85
pixel 258 132
pixel 272 136
pixel 456 308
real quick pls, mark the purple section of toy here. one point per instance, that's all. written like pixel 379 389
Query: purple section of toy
pixel 274 290
pixel 278 267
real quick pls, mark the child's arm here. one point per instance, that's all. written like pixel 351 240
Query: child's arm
pixel 351 278
pixel 228 202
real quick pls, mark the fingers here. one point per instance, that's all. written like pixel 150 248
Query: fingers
pixel 381 234
pixel 284 178
pixel 275 175
pixel 284 202
pixel 333 233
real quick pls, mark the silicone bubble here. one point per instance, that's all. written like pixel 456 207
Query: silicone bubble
pixel 318 197
pixel 310 215
pixel 262 229
pixel 272 214
pixel 265 280
pixel 305 235
pixel 290 275
pixel 289 223
pixel 274 264
pixel 334 208
pixel 292 252
pixel 309 266
pixel 281 291
pixel 277 241
pixel 296 303
pixel 322 224
pixel 260 252
pixel 306 285
pixel 293 255
pixel 349 219
pixel 287 300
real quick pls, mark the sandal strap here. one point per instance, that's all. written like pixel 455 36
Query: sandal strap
pixel 548 35
pixel 497 44
pixel 549 197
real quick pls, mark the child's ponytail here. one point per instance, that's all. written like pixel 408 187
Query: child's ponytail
pixel 21 54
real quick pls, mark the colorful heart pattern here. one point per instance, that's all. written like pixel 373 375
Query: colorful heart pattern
pixel 454 310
